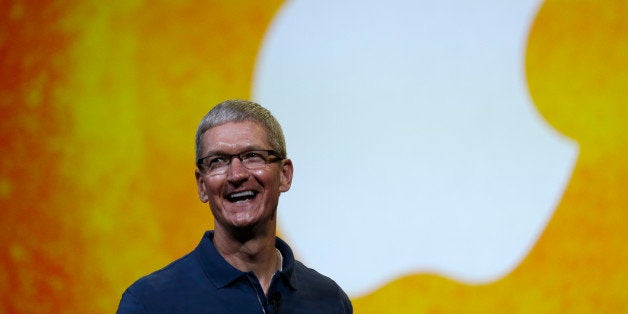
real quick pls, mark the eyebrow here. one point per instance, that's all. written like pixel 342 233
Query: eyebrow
pixel 223 152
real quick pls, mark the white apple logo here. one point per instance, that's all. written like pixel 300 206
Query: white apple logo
pixel 415 142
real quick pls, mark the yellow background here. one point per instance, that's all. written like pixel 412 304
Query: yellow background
pixel 99 102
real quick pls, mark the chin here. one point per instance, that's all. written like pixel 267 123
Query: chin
pixel 243 222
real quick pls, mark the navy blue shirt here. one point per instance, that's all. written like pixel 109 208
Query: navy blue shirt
pixel 203 282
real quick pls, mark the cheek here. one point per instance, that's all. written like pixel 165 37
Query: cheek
pixel 212 190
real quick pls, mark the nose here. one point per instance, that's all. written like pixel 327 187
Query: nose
pixel 237 173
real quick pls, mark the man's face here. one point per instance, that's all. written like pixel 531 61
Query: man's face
pixel 241 197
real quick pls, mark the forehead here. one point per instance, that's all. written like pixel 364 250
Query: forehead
pixel 235 136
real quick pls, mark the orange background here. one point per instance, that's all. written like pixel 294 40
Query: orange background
pixel 99 103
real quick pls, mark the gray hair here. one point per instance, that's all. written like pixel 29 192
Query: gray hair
pixel 237 110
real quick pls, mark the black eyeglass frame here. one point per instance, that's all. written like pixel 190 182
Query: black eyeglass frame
pixel 240 156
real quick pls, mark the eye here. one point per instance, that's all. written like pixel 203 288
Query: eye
pixel 253 157
pixel 251 154
pixel 217 161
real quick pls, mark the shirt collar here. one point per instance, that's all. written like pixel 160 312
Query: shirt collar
pixel 287 272
pixel 221 273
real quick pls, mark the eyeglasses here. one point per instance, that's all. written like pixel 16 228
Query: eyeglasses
pixel 252 160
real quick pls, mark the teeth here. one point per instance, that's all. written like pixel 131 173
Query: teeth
pixel 242 194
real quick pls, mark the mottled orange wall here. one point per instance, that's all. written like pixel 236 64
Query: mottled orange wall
pixel 99 103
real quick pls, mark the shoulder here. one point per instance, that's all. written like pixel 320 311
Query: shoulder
pixel 304 277
pixel 311 277
pixel 163 286
pixel 314 284
pixel 166 277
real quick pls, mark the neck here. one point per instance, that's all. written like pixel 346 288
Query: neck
pixel 249 251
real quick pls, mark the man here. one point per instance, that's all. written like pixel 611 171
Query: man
pixel 241 266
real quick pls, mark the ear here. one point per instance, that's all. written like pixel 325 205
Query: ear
pixel 200 184
pixel 286 175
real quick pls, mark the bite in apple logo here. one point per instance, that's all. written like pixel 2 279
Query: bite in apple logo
pixel 415 143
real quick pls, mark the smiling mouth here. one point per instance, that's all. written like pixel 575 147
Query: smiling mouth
pixel 241 196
